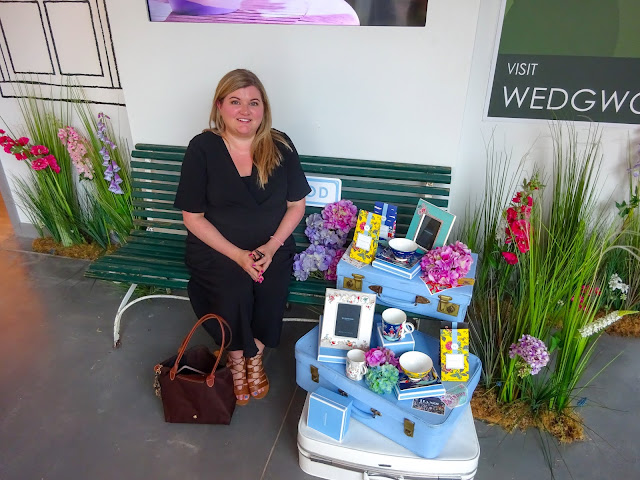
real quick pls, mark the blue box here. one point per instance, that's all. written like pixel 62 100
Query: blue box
pixel 329 413
pixel 388 213
pixel 406 344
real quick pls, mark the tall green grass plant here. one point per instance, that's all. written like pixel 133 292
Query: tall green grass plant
pixel 50 196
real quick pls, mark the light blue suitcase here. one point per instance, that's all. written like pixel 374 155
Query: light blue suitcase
pixel 408 295
pixel 423 433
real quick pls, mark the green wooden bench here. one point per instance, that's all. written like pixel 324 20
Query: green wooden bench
pixel 154 252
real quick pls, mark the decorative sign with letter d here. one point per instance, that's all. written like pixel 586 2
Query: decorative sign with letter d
pixel 324 190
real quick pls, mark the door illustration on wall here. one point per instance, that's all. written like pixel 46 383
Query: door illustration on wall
pixel 46 44
pixel 300 12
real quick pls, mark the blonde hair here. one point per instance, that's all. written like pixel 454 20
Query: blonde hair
pixel 264 152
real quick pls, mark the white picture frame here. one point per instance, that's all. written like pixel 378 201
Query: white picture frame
pixel 347 321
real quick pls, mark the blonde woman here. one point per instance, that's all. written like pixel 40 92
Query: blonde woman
pixel 242 193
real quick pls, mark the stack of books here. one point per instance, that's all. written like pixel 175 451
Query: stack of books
pixel 405 389
pixel 386 260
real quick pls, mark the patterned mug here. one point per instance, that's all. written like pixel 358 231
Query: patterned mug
pixel 395 325
pixel 356 364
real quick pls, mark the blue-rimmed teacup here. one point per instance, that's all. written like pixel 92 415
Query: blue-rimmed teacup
pixel 402 248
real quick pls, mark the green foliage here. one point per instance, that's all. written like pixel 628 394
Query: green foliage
pixel 550 293
pixel 58 203
pixel 113 210
pixel 51 196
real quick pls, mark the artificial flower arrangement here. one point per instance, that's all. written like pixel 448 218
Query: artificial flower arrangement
pixel 383 370
pixel 442 267
pixel 519 230
pixel 36 156
pixel 327 233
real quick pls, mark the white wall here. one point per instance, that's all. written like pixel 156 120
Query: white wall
pixel 383 93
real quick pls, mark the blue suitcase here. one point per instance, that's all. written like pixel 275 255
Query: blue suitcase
pixel 408 295
pixel 423 433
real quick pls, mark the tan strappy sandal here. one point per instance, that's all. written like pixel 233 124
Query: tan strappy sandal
pixel 256 377
pixel 240 385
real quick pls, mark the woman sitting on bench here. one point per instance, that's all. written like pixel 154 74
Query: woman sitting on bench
pixel 242 193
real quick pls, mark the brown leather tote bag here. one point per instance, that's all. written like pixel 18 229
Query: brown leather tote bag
pixel 193 386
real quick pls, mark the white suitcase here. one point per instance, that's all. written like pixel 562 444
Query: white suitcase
pixel 365 454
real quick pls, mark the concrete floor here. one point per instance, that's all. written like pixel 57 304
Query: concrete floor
pixel 72 407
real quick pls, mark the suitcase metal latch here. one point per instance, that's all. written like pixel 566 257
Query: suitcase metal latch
pixel 408 427
pixel 315 376
pixel 354 283
pixel 445 306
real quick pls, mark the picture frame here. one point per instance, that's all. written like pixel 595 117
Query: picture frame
pixel 347 321
pixel 430 226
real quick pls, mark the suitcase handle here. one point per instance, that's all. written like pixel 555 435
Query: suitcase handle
pixel 366 476
pixel 373 413
pixel 396 302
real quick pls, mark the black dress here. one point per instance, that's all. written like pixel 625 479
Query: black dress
pixel 247 216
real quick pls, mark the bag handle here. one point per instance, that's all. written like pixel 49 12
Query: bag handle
pixel 223 323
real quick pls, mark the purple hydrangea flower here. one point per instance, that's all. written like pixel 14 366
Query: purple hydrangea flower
pixel 533 353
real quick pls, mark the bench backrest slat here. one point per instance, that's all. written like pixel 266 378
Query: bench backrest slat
pixel 156 173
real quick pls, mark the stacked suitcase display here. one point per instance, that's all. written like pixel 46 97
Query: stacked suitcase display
pixel 423 433
pixel 408 295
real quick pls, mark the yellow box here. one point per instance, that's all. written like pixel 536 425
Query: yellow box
pixel 454 351
pixel 366 236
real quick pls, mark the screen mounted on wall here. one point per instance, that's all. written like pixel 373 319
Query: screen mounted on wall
pixel 392 13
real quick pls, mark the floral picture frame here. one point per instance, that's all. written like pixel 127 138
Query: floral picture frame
pixel 430 226
pixel 347 321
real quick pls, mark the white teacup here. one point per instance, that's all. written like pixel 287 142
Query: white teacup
pixel 395 325
pixel 356 364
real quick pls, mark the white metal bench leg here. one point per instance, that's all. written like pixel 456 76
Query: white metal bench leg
pixel 124 306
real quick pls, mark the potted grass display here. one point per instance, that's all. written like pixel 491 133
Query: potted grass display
pixel 534 317
pixel 77 189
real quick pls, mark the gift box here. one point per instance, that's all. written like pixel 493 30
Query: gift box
pixel 388 215
pixel 405 389
pixel 329 413
pixel 366 236
pixel 385 260
pixel 406 344
pixel 454 351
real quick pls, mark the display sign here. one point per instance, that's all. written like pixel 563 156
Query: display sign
pixel 567 60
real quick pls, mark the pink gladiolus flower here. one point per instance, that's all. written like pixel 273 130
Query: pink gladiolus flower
pixel 20 156
pixel 39 150
pixel 523 244
pixel 510 257
pixel 520 228
pixel 39 164
pixel 22 141
pixel 51 161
